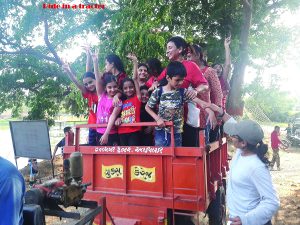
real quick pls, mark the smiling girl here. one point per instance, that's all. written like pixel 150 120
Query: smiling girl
pixel 88 91
pixel 106 112
pixel 131 108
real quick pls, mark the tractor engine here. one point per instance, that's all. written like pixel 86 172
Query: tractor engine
pixel 68 192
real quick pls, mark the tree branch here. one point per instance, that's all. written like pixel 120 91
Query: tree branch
pixel 247 3
pixel 49 45
pixel 5 41
pixel 117 3
pixel 29 51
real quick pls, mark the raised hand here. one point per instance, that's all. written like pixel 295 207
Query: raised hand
pixel 132 57
pixel 94 55
pixel 87 48
pixel 66 67
pixel 227 42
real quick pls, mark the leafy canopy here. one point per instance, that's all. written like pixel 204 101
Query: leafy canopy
pixel 32 38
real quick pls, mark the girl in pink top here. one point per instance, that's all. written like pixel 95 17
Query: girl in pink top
pixel 106 112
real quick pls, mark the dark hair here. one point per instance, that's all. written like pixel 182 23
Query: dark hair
pixel 163 82
pixel 260 150
pixel 113 58
pixel 144 87
pixel 276 127
pixel 213 65
pixel 179 42
pixel 176 69
pixel 144 65
pixel 154 66
pixel 197 50
pixel 89 74
pixel 108 78
pixel 67 129
pixel 126 79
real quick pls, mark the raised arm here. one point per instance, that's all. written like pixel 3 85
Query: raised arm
pixel 98 74
pixel 66 68
pixel 88 64
pixel 134 60
pixel 227 64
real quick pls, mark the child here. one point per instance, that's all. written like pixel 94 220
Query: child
pixel 106 112
pixel 170 99
pixel 155 69
pixel 88 90
pixel 62 143
pixel 114 65
pixel 33 170
pixel 131 108
pixel 147 132
pixel 142 74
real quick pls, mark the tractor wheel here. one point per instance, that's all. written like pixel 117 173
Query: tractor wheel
pixel 217 208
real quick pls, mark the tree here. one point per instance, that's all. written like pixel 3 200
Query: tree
pixel 125 26
pixel 30 74
pixel 265 13
pixel 277 105
pixel 250 23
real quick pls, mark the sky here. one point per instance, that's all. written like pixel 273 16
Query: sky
pixel 289 67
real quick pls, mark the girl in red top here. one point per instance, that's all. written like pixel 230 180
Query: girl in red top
pixel 131 108
pixel 88 91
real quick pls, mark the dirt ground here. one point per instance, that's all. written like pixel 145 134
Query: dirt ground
pixel 287 183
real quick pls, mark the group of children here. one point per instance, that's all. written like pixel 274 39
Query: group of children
pixel 115 99
pixel 185 92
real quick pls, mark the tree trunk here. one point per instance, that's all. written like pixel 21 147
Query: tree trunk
pixel 235 104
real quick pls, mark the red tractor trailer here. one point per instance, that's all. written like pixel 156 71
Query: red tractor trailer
pixel 151 185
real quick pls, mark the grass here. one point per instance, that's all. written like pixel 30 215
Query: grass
pixel 4 124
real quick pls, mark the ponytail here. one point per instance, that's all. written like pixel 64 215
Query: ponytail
pixel 260 150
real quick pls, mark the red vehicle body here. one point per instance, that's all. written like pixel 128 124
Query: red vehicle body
pixel 150 185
